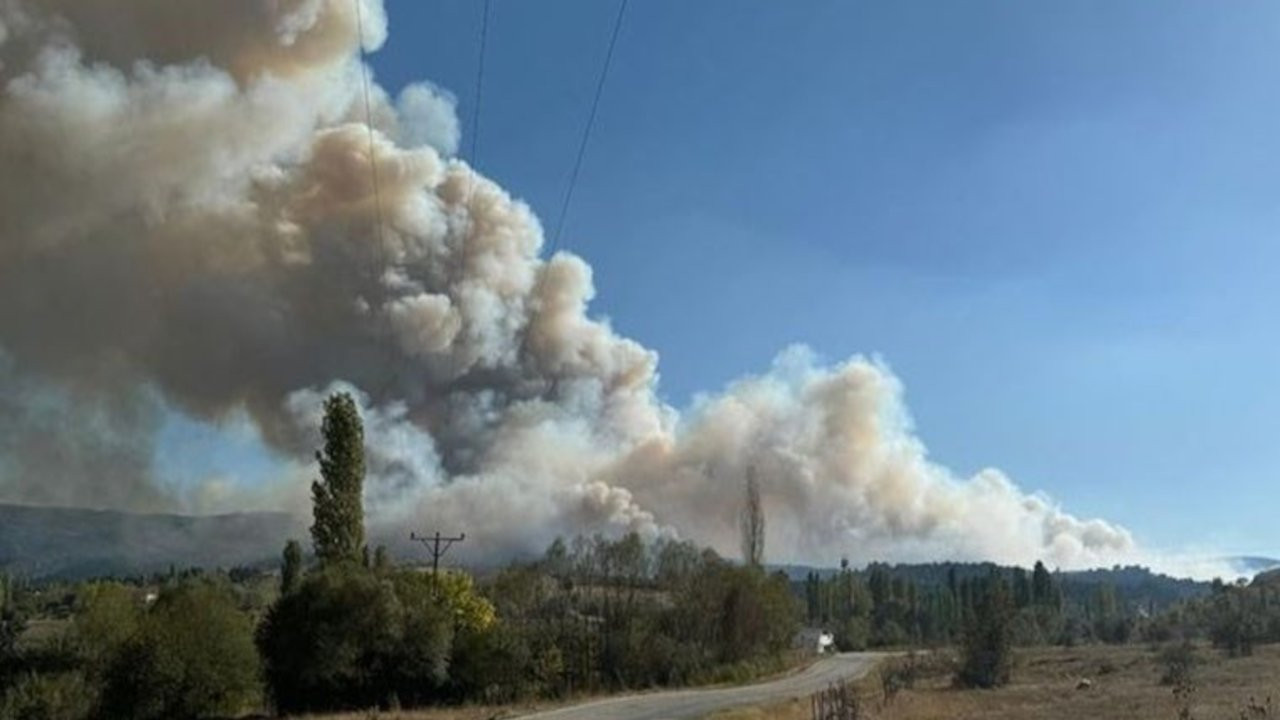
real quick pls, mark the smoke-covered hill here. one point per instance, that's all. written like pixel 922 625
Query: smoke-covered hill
pixel 41 542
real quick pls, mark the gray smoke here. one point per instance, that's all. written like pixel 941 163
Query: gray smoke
pixel 187 219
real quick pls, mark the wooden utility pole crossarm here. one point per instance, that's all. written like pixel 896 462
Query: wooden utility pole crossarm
pixel 437 545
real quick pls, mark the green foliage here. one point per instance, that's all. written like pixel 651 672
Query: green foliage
pixel 1237 618
pixel 854 634
pixel 455 592
pixel 48 696
pixel 108 616
pixel 1042 591
pixel 505 663
pixel 929 604
pixel 326 645
pixel 291 567
pixel 337 498
pixel 1025 628
pixel 753 523
pixel 192 657
pixel 351 637
pixel 986 655
pixel 12 620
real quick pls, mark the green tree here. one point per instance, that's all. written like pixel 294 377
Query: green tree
pixel 752 523
pixel 327 645
pixel 108 616
pixel 337 498
pixel 1041 585
pixel 291 568
pixel 986 654
pixel 350 637
pixel 192 657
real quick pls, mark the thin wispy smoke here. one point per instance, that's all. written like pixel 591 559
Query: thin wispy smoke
pixel 187 219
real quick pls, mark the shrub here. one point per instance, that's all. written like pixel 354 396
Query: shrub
pixel 349 637
pixel 108 616
pixel 493 666
pixel 12 625
pixel 1179 660
pixel 853 634
pixel 324 645
pixel 61 696
pixel 192 657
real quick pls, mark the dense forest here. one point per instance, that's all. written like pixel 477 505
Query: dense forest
pixel 926 604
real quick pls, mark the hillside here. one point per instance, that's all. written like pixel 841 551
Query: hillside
pixel 1133 586
pixel 41 542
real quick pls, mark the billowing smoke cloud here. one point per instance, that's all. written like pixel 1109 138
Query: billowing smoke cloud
pixel 187 219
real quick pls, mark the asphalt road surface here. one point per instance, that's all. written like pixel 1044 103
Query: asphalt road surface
pixel 687 704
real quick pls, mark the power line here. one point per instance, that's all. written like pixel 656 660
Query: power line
pixel 586 135
pixel 368 123
pixel 475 115
pixel 474 155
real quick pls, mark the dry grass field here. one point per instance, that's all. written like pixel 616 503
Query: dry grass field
pixel 1125 686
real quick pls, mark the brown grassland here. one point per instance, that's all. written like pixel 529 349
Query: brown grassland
pixel 1125 686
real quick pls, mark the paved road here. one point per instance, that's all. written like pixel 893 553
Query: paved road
pixel 687 704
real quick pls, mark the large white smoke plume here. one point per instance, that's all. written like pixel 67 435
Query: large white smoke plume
pixel 187 219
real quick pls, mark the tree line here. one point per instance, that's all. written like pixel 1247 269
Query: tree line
pixel 349 629
pixel 926 605
pixel 346 628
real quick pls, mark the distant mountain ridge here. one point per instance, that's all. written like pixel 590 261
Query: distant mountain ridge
pixel 1252 564
pixel 1132 586
pixel 54 542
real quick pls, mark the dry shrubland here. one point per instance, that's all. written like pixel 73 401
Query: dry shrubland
pixel 1125 683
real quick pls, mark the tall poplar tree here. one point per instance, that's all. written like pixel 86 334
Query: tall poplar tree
pixel 337 497
pixel 753 523
pixel 291 568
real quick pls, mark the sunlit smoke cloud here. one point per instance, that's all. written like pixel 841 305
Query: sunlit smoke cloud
pixel 187 219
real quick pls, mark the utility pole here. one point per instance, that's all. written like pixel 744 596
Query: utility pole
pixel 437 546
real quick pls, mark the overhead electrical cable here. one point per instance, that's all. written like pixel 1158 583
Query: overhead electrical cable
pixel 368 123
pixel 586 134
pixel 475 114
pixel 473 157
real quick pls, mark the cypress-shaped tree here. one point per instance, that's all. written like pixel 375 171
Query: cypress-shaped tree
pixel 337 497
pixel 291 569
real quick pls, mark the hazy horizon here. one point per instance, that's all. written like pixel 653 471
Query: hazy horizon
pixel 977 283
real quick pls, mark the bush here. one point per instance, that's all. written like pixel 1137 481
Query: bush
pixel 192 657
pixel 748 613
pixel 853 634
pixel 325 645
pixel 899 674
pixel 1179 660
pixel 62 696
pixel 108 615
pixel 494 666
pixel 353 638
pixel 12 625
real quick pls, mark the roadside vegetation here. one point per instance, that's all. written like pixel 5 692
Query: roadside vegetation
pixel 1125 683
pixel 345 628
pixel 349 630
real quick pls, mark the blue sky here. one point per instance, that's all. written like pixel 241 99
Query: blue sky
pixel 1055 222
